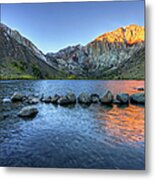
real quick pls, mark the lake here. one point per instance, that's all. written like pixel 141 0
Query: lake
pixel 95 136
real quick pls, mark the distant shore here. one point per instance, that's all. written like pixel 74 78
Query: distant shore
pixel 29 77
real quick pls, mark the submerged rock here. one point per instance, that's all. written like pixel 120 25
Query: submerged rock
pixel 28 111
pixel 123 98
pixel 138 98
pixel 84 98
pixel 17 97
pixel 107 98
pixel 95 98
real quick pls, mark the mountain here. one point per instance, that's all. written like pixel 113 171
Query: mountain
pixel 103 56
pixel 119 54
pixel 21 59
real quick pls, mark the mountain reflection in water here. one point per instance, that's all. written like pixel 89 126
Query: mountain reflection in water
pixel 95 136
pixel 124 123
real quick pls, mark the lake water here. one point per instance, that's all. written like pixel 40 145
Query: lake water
pixel 97 136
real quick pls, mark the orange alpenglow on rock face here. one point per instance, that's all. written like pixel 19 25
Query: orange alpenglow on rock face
pixel 130 34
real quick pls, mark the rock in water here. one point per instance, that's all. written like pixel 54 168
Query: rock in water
pixel 17 97
pixel 33 100
pixel 63 100
pixel 71 97
pixel 107 98
pixel 123 98
pixel 54 99
pixel 95 98
pixel 46 99
pixel 140 89
pixel 138 98
pixel 84 98
pixel 28 111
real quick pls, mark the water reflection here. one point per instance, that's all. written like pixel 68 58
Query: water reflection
pixel 122 106
pixel 95 136
pixel 106 108
pixel 126 124
pixel 122 86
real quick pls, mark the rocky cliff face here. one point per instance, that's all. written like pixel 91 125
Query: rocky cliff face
pixel 102 55
pixel 9 33
pixel 68 60
pixel 20 58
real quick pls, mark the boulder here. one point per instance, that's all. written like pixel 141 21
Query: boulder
pixel 95 98
pixel 107 98
pixel 33 100
pixel 46 99
pixel 138 98
pixel 54 99
pixel 123 98
pixel 84 98
pixel 63 100
pixel 17 97
pixel 71 97
pixel 28 111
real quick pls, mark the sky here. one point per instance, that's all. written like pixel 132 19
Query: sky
pixel 53 26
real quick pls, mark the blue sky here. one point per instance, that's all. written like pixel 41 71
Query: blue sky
pixel 52 26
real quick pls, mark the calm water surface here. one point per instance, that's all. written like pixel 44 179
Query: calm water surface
pixel 74 136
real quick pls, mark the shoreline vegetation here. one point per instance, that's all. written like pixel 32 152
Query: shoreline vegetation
pixel 29 77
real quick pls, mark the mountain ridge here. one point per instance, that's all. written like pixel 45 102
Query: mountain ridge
pixel 100 54
pixel 129 34
pixel 93 61
pixel 21 59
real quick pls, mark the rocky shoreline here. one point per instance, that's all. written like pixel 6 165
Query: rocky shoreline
pixel 107 98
